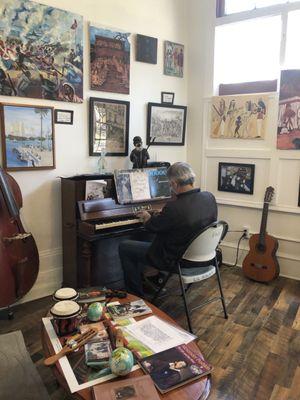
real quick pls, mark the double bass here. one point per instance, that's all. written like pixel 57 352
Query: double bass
pixel 19 258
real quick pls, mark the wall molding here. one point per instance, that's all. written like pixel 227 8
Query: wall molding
pixel 257 205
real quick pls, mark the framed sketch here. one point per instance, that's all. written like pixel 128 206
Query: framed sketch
pixel 63 117
pixel 236 178
pixel 109 127
pixel 146 49
pixel 167 97
pixel 173 59
pixel 27 134
pixel 166 123
pixel 41 52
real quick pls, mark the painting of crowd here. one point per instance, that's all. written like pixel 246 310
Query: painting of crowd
pixel 173 59
pixel 110 60
pixel 239 117
pixel 41 52
pixel 237 178
pixel 288 130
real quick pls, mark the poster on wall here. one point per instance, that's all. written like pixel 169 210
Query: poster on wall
pixel 27 134
pixel 288 131
pixel 109 60
pixel 41 52
pixel 173 59
pixel 239 117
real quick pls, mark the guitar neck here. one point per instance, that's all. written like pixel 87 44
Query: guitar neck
pixel 263 224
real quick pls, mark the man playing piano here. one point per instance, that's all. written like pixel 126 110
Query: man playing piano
pixel 173 227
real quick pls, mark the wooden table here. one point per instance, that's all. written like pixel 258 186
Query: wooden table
pixel 197 390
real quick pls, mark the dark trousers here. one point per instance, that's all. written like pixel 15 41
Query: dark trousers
pixel 133 256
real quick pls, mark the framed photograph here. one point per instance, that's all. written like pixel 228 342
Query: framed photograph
pixel 109 127
pixel 173 59
pixel 167 97
pixel 166 123
pixel 236 178
pixel 63 117
pixel 27 134
pixel 146 49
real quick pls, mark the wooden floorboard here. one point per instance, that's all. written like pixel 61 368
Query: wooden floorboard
pixel 255 352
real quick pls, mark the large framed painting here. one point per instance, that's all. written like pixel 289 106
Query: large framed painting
pixel 109 127
pixel 173 59
pixel 41 52
pixel 239 117
pixel 288 130
pixel 166 124
pixel 109 60
pixel 27 134
pixel 236 178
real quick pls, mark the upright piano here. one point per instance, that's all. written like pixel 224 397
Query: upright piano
pixel 93 229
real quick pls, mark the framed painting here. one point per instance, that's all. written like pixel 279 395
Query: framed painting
pixel 167 97
pixel 109 60
pixel 173 59
pixel 146 49
pixel 109 127
pixel 63 117
pixel 236 178
pixel 42 52
pixel 27 134
pixel 239 116
pixel 166 123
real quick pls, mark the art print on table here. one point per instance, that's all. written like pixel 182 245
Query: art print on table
pixel 173 59
pixel 109 60
pixel 41 52
pixel 236 178
pixel 146 49
pixel 109 127
pixel 288 131
pixel 239 117
pixel 27 137
pixel 166 123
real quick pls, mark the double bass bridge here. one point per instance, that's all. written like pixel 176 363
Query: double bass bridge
pixel 19 236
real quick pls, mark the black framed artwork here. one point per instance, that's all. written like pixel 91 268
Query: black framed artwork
pixel 236 178
pixel 108 127
pixel 63 117
pixel 166 123
pixel 146 49
pixel 167 97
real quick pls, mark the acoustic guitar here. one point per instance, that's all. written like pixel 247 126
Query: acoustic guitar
pixel 261 264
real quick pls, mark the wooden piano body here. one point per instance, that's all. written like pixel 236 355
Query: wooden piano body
pixel 92 230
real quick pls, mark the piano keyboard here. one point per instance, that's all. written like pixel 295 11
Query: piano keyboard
pixel 115 224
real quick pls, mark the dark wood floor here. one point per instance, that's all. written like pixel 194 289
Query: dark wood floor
pixel 255 353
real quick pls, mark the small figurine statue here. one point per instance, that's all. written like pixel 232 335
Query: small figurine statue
pixel 102 161
pixel 139 155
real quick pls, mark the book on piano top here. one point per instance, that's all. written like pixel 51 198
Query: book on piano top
pixel 128 310
pixel 140 388
pixel 175 367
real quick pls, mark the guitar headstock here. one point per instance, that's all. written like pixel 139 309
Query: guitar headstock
pixel 269 194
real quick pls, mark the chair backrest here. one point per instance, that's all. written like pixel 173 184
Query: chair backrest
pixel 203 246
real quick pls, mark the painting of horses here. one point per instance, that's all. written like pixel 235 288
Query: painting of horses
pixel 109 60
pixel 41 52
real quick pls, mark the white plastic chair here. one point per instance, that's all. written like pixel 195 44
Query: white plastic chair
pixel 200 250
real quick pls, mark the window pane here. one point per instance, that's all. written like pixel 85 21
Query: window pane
pixel 247 51
pixel 233 6
pixel 292 56
pixel 266 3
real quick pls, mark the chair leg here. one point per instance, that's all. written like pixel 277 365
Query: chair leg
pixel 161 287
pixel 220 288
pixel 187 312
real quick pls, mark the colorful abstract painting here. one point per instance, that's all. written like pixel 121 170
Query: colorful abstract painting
pixel 110 60
pixel 288 132
pixel 41 52
pixel 239 117
pixel 173 59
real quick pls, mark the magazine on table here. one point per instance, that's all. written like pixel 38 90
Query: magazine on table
pixel 127 310
pixel 175 367
pixel 75 370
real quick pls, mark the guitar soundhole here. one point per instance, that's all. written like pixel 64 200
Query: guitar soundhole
pixel 259 266
pixel 260 248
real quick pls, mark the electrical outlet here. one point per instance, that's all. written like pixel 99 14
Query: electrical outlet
pixel 246 230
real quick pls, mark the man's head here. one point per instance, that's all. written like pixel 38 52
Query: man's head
pixel 181 177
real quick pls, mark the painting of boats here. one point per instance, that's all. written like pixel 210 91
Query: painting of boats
pixel 27 137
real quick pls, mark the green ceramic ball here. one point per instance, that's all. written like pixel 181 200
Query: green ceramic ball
pixel 121 361
pixel 94 312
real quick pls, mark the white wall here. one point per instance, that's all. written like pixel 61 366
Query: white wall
pixel 279 169
pixel 164 20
